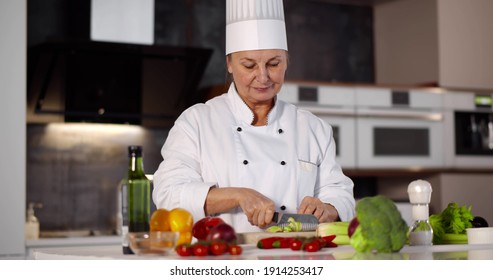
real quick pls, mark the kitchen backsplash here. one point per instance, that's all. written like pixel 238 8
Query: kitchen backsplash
pixel 74 170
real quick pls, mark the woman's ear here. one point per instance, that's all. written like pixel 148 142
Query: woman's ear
pixel 228 64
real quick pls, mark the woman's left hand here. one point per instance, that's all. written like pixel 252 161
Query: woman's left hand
pixel 323 211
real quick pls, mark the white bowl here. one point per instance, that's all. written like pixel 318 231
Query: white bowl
pixel 482 235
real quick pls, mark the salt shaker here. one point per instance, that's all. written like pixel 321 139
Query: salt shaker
pixel 421 232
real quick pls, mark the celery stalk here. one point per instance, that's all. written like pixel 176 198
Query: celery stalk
pixel 332 228
pixel 455 238
pixel 341 240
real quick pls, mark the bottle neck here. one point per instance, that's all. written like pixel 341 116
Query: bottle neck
pixel 136 168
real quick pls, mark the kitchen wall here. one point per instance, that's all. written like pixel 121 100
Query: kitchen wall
pixel 74 170
pixel 435 42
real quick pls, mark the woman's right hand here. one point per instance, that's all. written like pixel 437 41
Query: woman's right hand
pixel 258 208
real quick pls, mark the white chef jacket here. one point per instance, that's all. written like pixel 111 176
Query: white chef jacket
pixel 215 144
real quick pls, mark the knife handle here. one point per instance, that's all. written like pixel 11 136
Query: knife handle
pixel 275 218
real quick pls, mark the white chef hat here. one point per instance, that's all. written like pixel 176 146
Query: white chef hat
pixel 255 25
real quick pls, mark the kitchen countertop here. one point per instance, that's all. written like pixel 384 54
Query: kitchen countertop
pixel 250 252
pixel 73 241
pixel 70 242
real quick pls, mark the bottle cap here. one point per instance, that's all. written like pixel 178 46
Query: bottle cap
pixel 134 151
pixel 419 191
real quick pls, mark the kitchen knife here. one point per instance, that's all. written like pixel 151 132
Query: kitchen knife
pixel 308 222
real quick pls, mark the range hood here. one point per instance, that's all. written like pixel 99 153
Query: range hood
pixel 113 82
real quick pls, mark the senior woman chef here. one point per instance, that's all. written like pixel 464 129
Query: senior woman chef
pixel 247 154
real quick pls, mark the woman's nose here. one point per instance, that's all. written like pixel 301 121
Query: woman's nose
pixel 262 74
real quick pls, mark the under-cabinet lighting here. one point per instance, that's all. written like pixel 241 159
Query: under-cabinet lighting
pixel 112 129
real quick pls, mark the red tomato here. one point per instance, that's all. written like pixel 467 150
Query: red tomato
pixel 218 248
pixel 202 227
pixel 312 246
pixel 200 250
pixel 235 250
pixel 183 250
pixel 295 244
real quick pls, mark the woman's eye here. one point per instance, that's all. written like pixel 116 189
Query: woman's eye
pixel 248 66
pixel 273 64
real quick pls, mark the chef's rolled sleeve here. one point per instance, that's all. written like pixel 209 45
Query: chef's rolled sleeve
pixel 343 205
pixel 191 194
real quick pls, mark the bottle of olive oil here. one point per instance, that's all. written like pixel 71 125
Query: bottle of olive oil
pixel 136 197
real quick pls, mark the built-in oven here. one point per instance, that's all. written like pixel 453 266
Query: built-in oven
pixel 399 129
pixel 333 104
pixel 469 130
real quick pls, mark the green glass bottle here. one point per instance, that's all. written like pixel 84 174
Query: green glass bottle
pixel 136 197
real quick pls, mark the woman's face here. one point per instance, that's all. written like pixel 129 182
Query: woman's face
pixel 258 74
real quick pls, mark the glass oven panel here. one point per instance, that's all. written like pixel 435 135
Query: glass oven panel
pixel 473 133
pixel 399 143
pixel 395 141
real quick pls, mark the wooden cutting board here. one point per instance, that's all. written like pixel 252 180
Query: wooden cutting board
pixel 254 237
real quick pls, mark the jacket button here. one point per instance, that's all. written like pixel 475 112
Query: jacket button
pixel 280 131
pixel 283 162
pixel 238 129
pixel 245 162
pixel 283 208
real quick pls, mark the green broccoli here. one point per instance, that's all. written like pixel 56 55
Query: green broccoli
pixel 381 227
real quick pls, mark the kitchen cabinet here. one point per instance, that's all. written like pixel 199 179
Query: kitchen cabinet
pixel 372 125
pixel 13 126
pixel 442 42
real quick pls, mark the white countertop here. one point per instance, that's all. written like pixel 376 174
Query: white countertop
pixel 73 241
pixel 250 252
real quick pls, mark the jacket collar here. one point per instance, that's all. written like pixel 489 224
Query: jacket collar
pixel 243 113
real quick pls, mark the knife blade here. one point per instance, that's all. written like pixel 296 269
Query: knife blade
pixel 308 222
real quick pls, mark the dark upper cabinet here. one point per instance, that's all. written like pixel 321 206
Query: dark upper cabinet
pixel 112 82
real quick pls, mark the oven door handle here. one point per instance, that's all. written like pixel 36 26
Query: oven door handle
pixel 404 113
pixel 329 110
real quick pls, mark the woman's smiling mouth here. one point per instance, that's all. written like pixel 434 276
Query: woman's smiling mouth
pixel 262 89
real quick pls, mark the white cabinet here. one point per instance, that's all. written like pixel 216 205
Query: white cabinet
pixel 13 20
pixel 398 129
pixel 447 42
pixel 374 127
